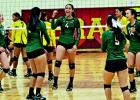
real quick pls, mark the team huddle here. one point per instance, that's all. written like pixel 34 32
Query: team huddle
pixel 36 43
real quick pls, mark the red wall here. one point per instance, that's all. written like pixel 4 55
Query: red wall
pixel 86 14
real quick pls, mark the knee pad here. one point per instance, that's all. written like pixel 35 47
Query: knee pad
pixel 15 58
pixel 107 86
pixel 49 61
pixel 131 70
pixel 58 63
pixel 72 66
pixel 25 59
pixel 12 59
pixel 5 70
pixel 41 74
pixel 34 75
pixel 124 88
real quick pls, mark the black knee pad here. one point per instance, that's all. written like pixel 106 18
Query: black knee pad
pixel 25 59
pixel 5 70
pixel 12 59
pixel 72 66
pixel 34 75
pixel 49 61
pixel 131 70
pixel 15 58
pixel 41 74
pixel 58 63
pixel 107 86
pixel 124 88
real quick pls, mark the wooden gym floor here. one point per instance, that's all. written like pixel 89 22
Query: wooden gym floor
pixel 88 83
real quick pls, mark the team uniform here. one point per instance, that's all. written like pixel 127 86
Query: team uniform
pixel 34 44
pixel 51 33
pixel 69 36
pixel 134 38
pixel 116 60
pixel 123 20
pixel 2 44
pixel 2 34
pixel 19 37
pixel 69 28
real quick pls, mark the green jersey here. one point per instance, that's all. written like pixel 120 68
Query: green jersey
pixel 2 33
pixel 134 38
pixel 114 51
pixel 34 40
pixel 70 29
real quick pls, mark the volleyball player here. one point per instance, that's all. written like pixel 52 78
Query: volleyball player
pixel 36 53
pixel 49 48
pixel 19 40
pixel 3 57
pixel 113 41
pixel 67 43
pixel 133 29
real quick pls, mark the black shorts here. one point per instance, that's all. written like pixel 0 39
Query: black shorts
pixel 49 49
pixel 66 46
pixel 19 45
pixel 115 65
pixel 35 53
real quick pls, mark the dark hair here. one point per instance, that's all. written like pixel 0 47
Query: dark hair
pixel 117 31
pixel 34 18
pixel 73 14
pixel 43 15
pixel 121 10
pixel 133 12
pixel 16 14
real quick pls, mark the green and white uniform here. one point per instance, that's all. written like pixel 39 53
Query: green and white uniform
pixel 134 38
pixel 70 30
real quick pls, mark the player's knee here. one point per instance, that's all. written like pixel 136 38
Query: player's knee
pixel 5 70
pixel 124 88
pixel 15 58
pixel 25 59
pixel 49 61
pixel 131 70
pixel 107 86
pixel 34 75
pixel 41 74
pixel 72 66
pixel 58 63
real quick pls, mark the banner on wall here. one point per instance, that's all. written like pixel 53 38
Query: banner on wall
pixel 90 37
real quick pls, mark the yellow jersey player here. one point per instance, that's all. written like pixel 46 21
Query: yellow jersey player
pixel 19 41
pixel 50 48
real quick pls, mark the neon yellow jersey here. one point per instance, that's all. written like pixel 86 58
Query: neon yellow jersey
pixel 51 34
pixel 19 35
pixel 124 22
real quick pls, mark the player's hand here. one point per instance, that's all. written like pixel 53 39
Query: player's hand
pixel 55 12
pixel 132 29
